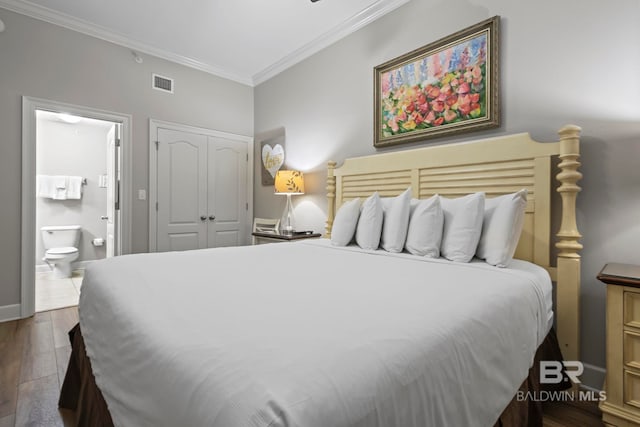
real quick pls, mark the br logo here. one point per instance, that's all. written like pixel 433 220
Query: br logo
pixel 551 371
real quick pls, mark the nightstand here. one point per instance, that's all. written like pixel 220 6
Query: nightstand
pixel 262 237
pixel 622 384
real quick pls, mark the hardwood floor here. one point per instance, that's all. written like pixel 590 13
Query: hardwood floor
pixel 33 359
pixel 572 415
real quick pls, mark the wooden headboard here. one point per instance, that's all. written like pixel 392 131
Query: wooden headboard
pixel 496 166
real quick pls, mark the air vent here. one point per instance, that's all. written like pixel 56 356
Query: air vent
pixel 162 83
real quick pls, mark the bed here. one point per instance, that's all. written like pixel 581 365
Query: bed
pixel 309 334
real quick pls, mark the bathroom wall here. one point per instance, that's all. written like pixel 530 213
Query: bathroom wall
pixel 73 149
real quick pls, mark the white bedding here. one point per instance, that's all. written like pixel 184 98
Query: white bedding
pixel 306 334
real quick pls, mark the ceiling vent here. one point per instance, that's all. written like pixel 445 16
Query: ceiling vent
pixel 162 83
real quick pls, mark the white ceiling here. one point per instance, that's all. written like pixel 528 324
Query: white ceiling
pixel 248 41
pixel 70 119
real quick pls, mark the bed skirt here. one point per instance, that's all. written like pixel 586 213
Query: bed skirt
pixel 81 394
pixel 79 390
pixel 527 412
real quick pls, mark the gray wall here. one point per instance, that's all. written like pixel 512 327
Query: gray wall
pixel 562 62
pixel 73 149
pixel 41 60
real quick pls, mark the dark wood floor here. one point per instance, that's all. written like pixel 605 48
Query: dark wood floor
pixel 33 358
pixel 573 415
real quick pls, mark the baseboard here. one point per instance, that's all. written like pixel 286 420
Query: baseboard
pixel 9 312
pixel 42 268
pixel 592 377
pixel 78 265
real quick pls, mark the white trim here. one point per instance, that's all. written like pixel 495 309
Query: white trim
pixel 353 24
pixel 9 312
pixel 250 167
pixel 28 226
pixel 67 21
pixel 154 125
pixel 588 388
pixel 592 377
pixel 77 265
pixel 359 20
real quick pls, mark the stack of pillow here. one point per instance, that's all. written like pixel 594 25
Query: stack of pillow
pixel 456 229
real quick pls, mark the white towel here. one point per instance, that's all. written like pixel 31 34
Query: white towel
pixel 60 187
pixel 60 181
pixel 45 186
pixel 74 187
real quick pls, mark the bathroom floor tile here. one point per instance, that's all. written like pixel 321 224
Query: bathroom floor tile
pixel 53 285
pixel 45 276
pixel 57 302
pixel 77 283
pixel 55 293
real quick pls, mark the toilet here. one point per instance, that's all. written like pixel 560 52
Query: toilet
pixel 61 247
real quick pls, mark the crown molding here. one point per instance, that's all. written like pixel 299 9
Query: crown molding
pixel 353 24
pixel 93 30
pixel 359 20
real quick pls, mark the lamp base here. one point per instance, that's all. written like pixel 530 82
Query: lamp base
pixel 287 221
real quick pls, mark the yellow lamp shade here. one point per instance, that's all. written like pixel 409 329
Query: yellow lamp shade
pixel 289 182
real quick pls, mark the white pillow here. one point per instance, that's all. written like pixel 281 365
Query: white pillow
pixel 503 218
pixel 396 220
pixel 462 226
pixel 345 222
pixel 425 228
pixel 370 223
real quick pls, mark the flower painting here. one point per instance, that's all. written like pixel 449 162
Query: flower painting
pixel 449 86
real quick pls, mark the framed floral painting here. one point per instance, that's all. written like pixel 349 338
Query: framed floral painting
pixel 446 87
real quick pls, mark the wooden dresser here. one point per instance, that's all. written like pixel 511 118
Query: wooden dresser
pixel 622 385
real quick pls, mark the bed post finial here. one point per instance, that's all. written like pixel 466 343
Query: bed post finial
pixel 331 198
pixel 568 177
pixel 568 280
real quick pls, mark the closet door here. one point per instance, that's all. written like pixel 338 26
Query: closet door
pixel 227 192
pixel 182 191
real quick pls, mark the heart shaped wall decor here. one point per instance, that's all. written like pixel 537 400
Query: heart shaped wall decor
pixel 272 158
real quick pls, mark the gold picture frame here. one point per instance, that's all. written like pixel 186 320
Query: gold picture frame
pixel 447 87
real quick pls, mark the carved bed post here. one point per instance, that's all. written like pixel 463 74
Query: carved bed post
pixel 331 198
pixel 568 281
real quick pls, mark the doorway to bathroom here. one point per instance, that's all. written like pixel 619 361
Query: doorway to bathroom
pixel 76 212
pixel 74 198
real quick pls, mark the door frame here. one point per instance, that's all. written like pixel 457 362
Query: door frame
pixel 154 125
pixel 28 226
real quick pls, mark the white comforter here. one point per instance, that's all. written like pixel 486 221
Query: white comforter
pixel 304 334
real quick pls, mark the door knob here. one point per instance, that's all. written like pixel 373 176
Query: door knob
pixel 203 218
pixel 212 217
pixel 104 217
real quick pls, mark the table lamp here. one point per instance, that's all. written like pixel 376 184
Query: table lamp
pixel 288 182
